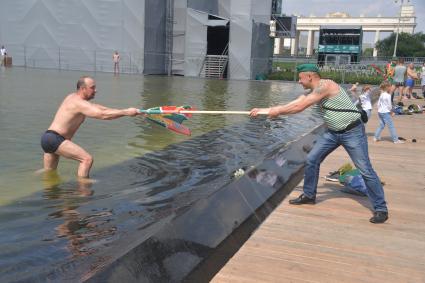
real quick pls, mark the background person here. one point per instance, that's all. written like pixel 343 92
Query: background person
pixel 116 60
pixel 364 98
pixel 410 80
pixel 389 75
pixel 344 128
pixel 3 54
pixel 399 78
pixel 384 112
pixel 56 141
pixel 423 79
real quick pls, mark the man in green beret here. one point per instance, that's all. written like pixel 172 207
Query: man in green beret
pixel 307 68
pixel 344 127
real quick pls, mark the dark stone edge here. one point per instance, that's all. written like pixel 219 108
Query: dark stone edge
pixel 205 271
pixel 147 261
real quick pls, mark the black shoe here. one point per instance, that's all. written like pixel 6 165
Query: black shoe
pixel 302 199
pixel 379 217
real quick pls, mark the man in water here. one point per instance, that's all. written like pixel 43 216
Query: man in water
pixel 56 141
pixel 344 128
pixel 116 59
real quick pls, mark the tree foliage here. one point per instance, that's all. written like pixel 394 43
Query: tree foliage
pixel 368 52
pixel 408 45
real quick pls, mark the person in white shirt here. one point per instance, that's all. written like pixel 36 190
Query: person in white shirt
pixel 3 54
pixel 385 113
pixel 364 98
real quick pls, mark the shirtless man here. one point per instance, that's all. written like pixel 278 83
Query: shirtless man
pixel 56 141
pixel 410 80
pixel 116 59
pixel 344 127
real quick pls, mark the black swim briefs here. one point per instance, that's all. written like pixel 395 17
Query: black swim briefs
pixel 50 141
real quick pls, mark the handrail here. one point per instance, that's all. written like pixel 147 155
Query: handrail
pixel 225 50
pixel 202 65
pixel 223 54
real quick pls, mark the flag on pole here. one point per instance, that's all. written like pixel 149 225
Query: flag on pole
pixel 172 117
pixel 171 121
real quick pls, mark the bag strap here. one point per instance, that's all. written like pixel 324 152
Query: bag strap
pixel 341 110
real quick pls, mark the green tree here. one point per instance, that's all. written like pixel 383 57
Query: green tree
pixel 408 45
pixel 368 52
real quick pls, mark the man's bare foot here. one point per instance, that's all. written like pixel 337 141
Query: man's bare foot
pixel 84 186
pixel 40 171
pixel 84 180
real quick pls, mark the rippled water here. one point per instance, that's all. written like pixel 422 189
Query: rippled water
pixel 29 99
pixel 144 172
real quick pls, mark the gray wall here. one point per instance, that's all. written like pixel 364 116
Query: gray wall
pixel 261 50
pixel 75 34
pixel 155 37
pixel 207 6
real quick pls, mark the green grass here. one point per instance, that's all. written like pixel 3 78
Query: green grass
pixel 287 73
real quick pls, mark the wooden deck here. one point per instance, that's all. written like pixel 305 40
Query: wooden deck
pixel 333 240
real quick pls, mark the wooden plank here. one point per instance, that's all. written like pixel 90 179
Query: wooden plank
pixel 333 240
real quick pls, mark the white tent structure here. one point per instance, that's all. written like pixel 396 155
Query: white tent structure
pixel 152 36
pixel 249 46
pixel 75 34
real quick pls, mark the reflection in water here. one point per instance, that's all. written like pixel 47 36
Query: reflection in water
pixel 215 98
pixel 51 179
pixel 263 177
pixel 78 230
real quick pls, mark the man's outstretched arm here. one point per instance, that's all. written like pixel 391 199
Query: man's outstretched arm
pixel 295 106
pixel 104 113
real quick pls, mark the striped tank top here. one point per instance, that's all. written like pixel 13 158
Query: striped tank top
pixel 337 121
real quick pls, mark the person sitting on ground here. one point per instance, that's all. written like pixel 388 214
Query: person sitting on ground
pixel 385 112
pixel 56 141
pixel 344 128
pixel 351 178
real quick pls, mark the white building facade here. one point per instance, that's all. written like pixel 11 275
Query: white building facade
pixel 405 22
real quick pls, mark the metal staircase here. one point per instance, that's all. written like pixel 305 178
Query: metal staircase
pixel 214 66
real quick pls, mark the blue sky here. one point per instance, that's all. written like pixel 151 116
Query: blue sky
pixel 355 8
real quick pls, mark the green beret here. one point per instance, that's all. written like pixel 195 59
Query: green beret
pixel 307 68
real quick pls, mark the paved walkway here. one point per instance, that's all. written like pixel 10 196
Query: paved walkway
pixel 333 240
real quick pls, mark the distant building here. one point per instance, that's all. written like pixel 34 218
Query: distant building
pixel 404 21
pixel 339 45
pixel 152 36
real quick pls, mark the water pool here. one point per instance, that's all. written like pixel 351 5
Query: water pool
pixel 145 173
